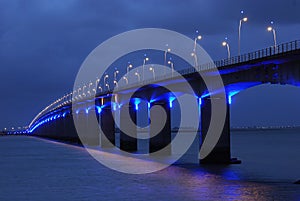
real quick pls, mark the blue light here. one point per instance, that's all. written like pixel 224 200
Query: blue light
pixel 137 101
pixel 149 105
pixel 99 109
pixel 229 100
pixel 86 111
pixel 200 101
pixel 232 93
pixel 171 99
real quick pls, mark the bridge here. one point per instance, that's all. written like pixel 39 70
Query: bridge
pixel 275 65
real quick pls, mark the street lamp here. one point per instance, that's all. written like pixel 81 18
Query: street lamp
pixel 138 75
pixel 245 19
pixel 116 83
pixel 271 29
pixel 107 85
pixel 97 83
pixel 153 72
pixel 166 52
pixel 225 44
pixel 115 74
pixel 146 59
pixel 104 80
pixel 199 37
pixel 126 80
pixel 83 88
pixel 172 66
pixel 90 84
pixel 128 67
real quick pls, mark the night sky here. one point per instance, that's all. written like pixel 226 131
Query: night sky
pixel 43 43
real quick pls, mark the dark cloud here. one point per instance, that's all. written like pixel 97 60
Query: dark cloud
pixel 43 43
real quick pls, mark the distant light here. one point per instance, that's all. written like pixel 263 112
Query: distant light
pixel 199 37
pixel 245 19
pixel 224 43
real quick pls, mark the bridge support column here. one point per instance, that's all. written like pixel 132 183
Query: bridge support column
pixel 128 143
pixel 69 128
pixel 81 124
pixel 221 153
pixel 160 138
pixel 107 123
pixel 92 128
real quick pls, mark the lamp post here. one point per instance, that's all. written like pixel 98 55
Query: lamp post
pixel 153 72
pixel 165 57
pixel 128 67
pixel 225 44
pixel 271 29
pixel 145 60
pixel 172 66
pixel 115 74
pixel 116 83
pixel 199 37
pixel 104 80
pixel 138 75
pixel 83 88
pixel 89 91
pixel 126 80
pixel 245 19
pixel 107 85
pixel 193 54
pixel 96 84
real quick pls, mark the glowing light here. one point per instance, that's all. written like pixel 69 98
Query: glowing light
pixel 171 99
pixel 229 100
pixel 99 109
pixel 137 101
pixel 270 28
pixel 230 95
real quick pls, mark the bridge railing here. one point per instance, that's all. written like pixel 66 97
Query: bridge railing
pixel 270 51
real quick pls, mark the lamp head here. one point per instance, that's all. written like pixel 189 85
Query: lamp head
pixel 270 28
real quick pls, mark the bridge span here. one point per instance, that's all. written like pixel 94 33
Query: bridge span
pixel 275 65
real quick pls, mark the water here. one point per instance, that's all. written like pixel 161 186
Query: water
pixel 37 169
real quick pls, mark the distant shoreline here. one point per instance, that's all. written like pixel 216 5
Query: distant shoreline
pixel 265 128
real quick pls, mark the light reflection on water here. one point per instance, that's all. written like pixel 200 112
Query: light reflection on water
pixel 36 169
